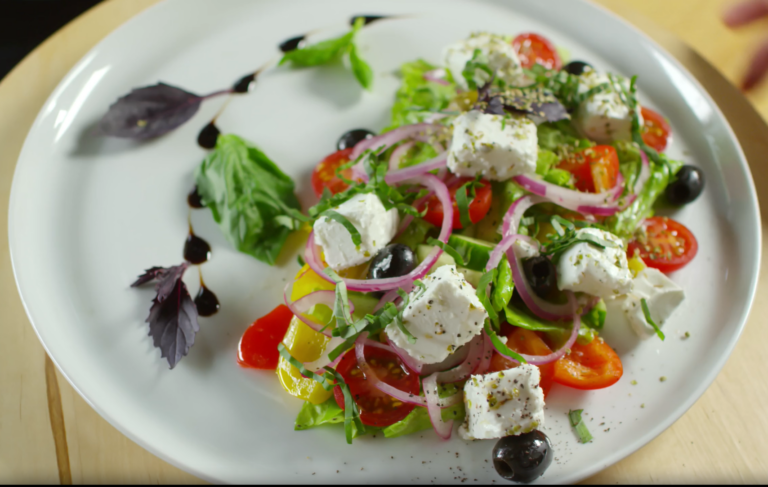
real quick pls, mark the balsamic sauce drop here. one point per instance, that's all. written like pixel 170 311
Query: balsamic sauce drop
pixel 243 85
pixel 196 250
pixel 208 136
pixel 207 303
pixel 194 200
pixel 292 44
pixel 367 19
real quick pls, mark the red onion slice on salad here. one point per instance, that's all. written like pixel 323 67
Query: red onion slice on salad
pixel 304 304
pixel 417 131
pixel 401 175
pixel 645 173
pixel 470 364
pixel 312 257
pixel 485 358
pixel 415 365
pixel 437 76
pixel 442 428
pixel 511 220
pixel 397 155
pixel 571 199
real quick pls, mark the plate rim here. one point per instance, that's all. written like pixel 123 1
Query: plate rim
pixel 620 453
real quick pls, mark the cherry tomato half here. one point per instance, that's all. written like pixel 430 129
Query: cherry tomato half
pixel 324 175
pixel 595 169
pixel 478 207
pixel 532 49
pixel 587 367
pixel 377 408
pixel 258 346
pixel 529 343
pixel 656 131
pixel 666 245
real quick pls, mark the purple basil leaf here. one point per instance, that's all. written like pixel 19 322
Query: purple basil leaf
pixel 149 112
pixel 173 323
pixel 149 275
pixel 167 280
pixel 539 104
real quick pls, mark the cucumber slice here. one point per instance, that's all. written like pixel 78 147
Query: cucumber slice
pixel 474 252
pixel 472 276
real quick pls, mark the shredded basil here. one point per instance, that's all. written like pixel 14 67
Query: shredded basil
pixel 582 432
pixel 500 346
pixel 320 379
pixel 647 313
pixel 399 318
pixel 357 239
pixel 462 202
pixel 448 250
pixel 482 294
pixel 351 412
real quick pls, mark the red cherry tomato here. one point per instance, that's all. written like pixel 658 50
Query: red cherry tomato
pixel 656 131
pixel 478 207
pixel 595 169
pixel 529 343
pixel 533 48
pixel 258 346
pixel 666 245
pixel 587 367
pixel 377 408
pixel 324 175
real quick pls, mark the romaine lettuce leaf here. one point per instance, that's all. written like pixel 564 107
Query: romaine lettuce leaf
pixel 417 98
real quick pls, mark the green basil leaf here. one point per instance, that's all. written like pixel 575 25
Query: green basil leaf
pixel 448 250
pixel 574 416
pixel 352 420
pixel 250 198
pixel 323 52
pixel 462 202
pixel 500 346
pixel 503 285
pixel 323 381
pixel 360 68
pixel 357 239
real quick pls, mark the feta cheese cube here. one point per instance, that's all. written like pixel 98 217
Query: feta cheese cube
pixel 661 294
pixel 603 116
pixel 443 317
pixel 376 225
pixel 524 249
pixel 493 146
pixel 498 404
pixel 600 272
pixel 502 59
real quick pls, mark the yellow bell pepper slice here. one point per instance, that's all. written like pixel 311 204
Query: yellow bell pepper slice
pixel 305 345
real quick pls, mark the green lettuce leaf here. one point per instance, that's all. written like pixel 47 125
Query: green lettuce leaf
pixel 417 98
pixel 250 197
pixel 314 415
pixel 418 419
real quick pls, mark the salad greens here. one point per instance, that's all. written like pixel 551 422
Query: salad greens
pixel 417 98
pixel 250 198
pixel 574 416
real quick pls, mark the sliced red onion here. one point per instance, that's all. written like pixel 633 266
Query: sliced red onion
pixel 485 359
pixel 323 360
pixel 514 214
pixel 442 428
pixel 506 242
pixel 410 172
pixel 645 173
pixel 470 364
pixel 568 198
pixel 607 210
pixel 416 204
pixel 397 155
pixel 545 359
pixel 367 285
pixel 416 131
pixel 538 306
pixel 437 76
pixel 304 304
pixel 454 359
pixel 410 362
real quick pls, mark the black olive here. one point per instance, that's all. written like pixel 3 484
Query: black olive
pixel 687 186
pixel 522 458
pixel 351 138
pixel 394 260
pixel 577 67
pixel 541 274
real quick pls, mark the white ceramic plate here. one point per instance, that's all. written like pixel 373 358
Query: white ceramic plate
pixel 87 215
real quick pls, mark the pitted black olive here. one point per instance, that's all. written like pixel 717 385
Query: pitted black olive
pixel 394 260
pixel 522 458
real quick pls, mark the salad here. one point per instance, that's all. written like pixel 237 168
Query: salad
pixel 459 264
pixel 462 263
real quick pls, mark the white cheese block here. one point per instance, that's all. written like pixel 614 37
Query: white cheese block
pixel 661 294
pixel 502 59
pixel 376 225
pixel 498 404
pixel 443 317
pixel 589 269
pixel 603 117
pixel 493 146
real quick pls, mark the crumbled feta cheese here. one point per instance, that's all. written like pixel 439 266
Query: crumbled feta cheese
pixel 501 56
pixel 661 294
pixel 498 404
pixel 493 146
pixel 603 116
pixel 524 249
pixel 600 272
pixel 376 225
pixel 443 317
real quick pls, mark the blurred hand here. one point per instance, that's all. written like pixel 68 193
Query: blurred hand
pixel 744 13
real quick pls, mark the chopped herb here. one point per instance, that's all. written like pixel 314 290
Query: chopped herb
pixel 448 250
pixel 650 321
pixel 357 239
pixel 582 432
pixel 663 378
pixel 300 260
pixel 482 294
pixel 500 346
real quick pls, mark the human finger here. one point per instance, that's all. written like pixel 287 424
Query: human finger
pixel 758 67
pixel 745 12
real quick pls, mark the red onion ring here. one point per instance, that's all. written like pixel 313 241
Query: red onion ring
pixel 607 210
pixel 397 154
pixel 545 359
pixel 305 303
pixel 366 285
pixel 442 428
pixel 436 76
pixel 514 214
pixel 485 359
pixel 401 175
pixel 568 198
pixel 645 173
pixel 495 256
pixel 470 364
pixel 454 359
pixel 416 131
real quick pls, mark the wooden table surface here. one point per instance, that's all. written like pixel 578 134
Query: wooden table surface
pixel 49 434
